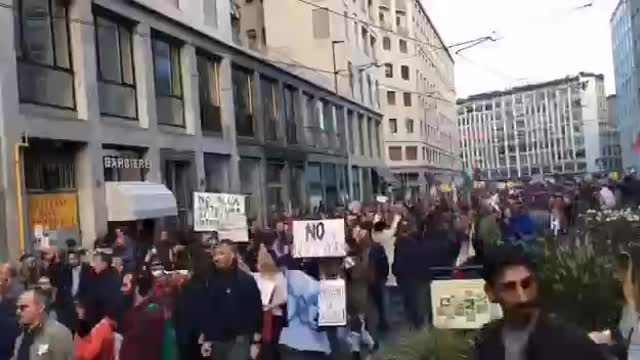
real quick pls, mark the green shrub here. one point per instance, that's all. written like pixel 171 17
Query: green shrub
pixel 430 344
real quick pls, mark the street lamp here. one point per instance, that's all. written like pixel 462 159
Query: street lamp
pixel 335 70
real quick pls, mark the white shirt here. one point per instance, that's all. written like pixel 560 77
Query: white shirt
pixel 75 280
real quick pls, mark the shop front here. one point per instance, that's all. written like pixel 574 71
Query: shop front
pixel 131 201
pixel 51 193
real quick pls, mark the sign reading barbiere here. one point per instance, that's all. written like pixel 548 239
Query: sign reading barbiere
pixel 223 213
pixel 319 238
pixel 332 303
pixel 121 162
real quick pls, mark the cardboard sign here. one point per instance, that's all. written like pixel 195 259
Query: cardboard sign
pixel 382 199
pixel 224 213
pixel 332 303
pixel 53 210
pixel 319 238
pixel 459 304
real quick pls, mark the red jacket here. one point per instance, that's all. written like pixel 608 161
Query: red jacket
pixel 143 332
pixel 98 345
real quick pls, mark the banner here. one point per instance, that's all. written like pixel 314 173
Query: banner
pixel 332 303
pixel 459 304
pixel 223 213
pixel 53 210
pixel 319 238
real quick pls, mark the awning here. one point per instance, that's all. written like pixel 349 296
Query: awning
pixel 387 175
pixel 135 200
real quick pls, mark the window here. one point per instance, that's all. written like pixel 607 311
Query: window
pixel 404 72
pixel 388 70
pixel 391 97
pixel 346 25
pixel 402 44
pixel 268 95
pixel 361 120
pixel 370 87
pixel 395 153
pixel 386 43
pixel 393 126
pixel 320 20
pixel 377 94
pixel 411 153
pixel 350 69
pixel 209 93
pixel 242 80
pixel 349 129
pixel 275 187
pixel 45 74
pixel 409 125
pixel 168 81
pixel 252 37
pixel 210 12
pixel 361 84
pixel 407 99
pixel 290 114
pixel 116 85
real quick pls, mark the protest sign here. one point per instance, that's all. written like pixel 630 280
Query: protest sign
pixel 459 304
pixel 319 238
pixel 332 303
pixel 224 213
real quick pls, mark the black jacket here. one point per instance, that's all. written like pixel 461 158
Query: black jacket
pixel 105 295
pixel 550 340
pixel 232 306
pixel 8 331
pixel 378 263
pixel 64 302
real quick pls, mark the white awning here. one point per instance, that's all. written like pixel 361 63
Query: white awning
pixel 136 200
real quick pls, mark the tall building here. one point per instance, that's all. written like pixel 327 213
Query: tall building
pixel 113 112
pixel 555 127
pixel 625 33
pixel 386 55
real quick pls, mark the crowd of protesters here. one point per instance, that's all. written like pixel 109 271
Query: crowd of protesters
pixel 200 297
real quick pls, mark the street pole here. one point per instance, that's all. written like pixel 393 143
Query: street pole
pixel 335 69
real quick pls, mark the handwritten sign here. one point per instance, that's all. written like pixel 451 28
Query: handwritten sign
pixel 53 210
pixel 332 303
pixel 319 238
pixel 224 213
pixel 459 304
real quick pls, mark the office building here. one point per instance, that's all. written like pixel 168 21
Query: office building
pixel 555 127
pixel 134 105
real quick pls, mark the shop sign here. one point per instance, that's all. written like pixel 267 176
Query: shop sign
pixel 223 213
pixel 123 162
pixel 332 303
pixel 53 210
pixel 319 238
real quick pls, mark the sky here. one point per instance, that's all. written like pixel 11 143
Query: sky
pixel 540 40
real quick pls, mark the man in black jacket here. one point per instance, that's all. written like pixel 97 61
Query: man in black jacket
pixel 73 284
pixel 526 332
pixel 232 320
pixel 104 289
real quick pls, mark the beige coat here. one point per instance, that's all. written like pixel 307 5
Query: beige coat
pixel 52 342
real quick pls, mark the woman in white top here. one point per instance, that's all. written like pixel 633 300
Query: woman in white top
pixel 273 290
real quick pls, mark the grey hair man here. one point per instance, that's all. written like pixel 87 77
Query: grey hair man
pixel 41 337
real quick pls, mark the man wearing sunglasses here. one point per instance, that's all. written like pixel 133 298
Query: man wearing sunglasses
pixel 526 332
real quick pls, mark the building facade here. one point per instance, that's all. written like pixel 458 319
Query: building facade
pixel 155 99
pixel 625 32
pixel 556 127
pixel 383 54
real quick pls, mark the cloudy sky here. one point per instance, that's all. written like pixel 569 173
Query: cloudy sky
pixel 540 40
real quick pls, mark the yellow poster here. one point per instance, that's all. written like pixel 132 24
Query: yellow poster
pixel 53 211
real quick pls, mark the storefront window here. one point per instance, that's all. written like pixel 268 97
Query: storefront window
pixel 314 186
pixel 355 174
pixel 216 172
pixel 275 189
pixel 330 186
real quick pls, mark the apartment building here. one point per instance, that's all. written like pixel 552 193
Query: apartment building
pixel 113 112
pixel 625 32
pixel 418 95
pixel 556 127
pixel 384 54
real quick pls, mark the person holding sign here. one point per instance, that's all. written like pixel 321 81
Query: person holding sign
pixel 273 292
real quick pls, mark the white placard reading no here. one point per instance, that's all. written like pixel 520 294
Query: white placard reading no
pixel 224 213
pixel 332 303
pixel 319 238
